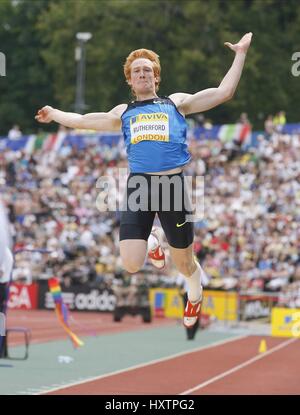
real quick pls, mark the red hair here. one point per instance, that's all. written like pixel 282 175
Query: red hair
pixel 144 54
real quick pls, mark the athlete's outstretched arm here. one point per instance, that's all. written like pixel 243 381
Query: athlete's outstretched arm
pixel 101 121
pixel 210 98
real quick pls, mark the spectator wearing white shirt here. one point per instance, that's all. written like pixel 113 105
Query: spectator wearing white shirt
pixel 14 133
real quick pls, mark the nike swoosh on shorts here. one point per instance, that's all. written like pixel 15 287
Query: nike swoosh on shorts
pixel 178 225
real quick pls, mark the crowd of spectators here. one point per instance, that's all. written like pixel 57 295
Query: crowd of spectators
pixel 275 123
pixel 250 235
pixel 247 240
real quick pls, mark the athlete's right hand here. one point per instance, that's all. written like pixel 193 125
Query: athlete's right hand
pixel 45 114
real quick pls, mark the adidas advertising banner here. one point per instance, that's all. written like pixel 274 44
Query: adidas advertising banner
pixel 79 298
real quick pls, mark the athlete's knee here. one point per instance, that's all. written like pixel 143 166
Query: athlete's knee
pixel 132 266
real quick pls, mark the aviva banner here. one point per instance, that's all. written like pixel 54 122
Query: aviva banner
pixel 167 302
pixel 221 304
pixel 285 322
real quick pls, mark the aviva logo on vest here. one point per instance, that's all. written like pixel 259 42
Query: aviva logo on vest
pixel 156 116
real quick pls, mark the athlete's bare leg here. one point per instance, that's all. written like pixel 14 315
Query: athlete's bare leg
pixel 183 259
pixel 133 253
pixel 185 263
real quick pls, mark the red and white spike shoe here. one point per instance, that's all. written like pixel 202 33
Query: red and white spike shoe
pixel 157 255
pixel 192 313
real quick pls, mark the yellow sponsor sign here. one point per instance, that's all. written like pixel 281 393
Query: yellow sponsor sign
pixel 169 302
pixel 174 303
pixel 285 322
pixel 220 304
pixel 166 302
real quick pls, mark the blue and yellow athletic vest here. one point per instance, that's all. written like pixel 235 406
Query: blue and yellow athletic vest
pixel 155 136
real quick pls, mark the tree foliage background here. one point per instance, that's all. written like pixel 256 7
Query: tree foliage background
pixel 38 38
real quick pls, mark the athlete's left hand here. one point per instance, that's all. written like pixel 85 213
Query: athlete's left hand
pixel 242 45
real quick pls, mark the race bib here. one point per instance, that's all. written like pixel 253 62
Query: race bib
pixel 153 127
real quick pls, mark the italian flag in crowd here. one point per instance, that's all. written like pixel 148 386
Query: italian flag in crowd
pixel 44 141
pixel 238 132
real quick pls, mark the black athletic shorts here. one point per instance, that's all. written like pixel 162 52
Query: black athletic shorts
pixel 165 195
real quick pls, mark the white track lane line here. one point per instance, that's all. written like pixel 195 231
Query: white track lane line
pixel 152 362
pixel 238 367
